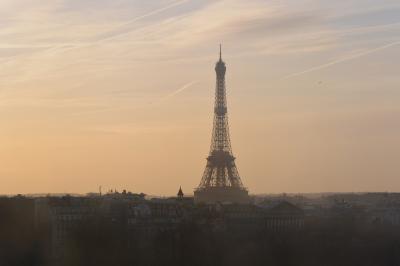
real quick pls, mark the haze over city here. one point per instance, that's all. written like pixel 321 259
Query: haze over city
pixel 120 94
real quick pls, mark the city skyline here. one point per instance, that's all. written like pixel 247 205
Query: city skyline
pixel 121 94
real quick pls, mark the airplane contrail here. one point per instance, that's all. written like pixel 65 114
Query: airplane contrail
pixel 184 87
pixel 153 12
pixel 58 48
pixel 168 96
pixel 71 46
pixel 342 60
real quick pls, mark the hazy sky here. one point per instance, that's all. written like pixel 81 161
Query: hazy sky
pixel 119 93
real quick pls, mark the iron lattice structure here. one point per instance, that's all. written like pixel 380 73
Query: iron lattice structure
pixel 221 171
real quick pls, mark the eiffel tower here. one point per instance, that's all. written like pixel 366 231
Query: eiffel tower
pixel 221 181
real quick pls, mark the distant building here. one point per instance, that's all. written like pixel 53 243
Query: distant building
pixel 59 216
pixel 284 217
pixel 17 231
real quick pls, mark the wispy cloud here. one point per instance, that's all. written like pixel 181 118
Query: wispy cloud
pixel 75 56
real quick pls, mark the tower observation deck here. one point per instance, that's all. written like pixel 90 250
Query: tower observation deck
pixel 221 181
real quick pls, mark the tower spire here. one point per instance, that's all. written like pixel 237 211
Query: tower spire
pixel 220 48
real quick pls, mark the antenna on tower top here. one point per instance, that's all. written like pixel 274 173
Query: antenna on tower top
pixel 220 52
